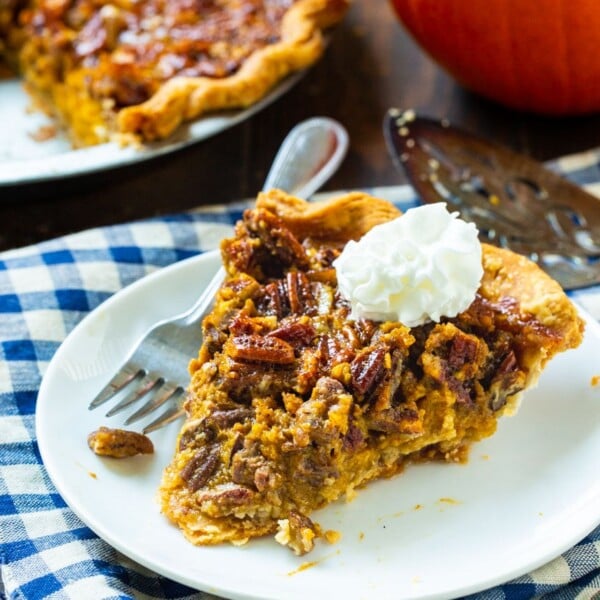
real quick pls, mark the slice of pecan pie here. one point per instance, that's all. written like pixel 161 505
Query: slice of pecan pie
pixel 293 405
pixel 139 68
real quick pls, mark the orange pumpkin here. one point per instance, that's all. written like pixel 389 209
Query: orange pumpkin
pixel 535 55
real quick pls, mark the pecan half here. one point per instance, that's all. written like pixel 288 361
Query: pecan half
pixel 204 431
pixel 201 467
pixel 275 295
pixel 367 368
pixel 299 293
pixel 243 324
pixel 226 496
pixel 334 349
pixel 224 419
pixel 295 332
pixel 119 443
pixel 257 348
pixel 276 237
pixel 365 328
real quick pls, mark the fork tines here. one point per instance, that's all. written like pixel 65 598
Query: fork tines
pixel 136 383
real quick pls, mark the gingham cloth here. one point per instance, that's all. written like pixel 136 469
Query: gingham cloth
pixel 45 290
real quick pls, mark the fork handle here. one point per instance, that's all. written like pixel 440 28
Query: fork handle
pixel 201 307
pixel 310 154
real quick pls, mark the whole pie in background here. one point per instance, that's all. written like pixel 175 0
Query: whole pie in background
pixel 137 69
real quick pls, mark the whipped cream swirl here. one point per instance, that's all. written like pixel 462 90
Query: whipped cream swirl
pixel 422 266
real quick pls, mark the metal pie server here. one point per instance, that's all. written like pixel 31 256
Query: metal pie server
pixel 516 202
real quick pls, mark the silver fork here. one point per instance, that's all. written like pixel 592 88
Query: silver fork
pixel 156 368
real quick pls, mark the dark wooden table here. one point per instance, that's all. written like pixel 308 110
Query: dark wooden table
pixel 370 65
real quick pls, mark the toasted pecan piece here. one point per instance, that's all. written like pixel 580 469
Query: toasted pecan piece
pixel 119 443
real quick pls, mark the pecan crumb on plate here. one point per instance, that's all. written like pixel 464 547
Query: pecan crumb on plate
pixel 119 443
pixel 44 133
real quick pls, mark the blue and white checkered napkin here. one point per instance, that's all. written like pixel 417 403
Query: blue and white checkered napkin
pixel 45 290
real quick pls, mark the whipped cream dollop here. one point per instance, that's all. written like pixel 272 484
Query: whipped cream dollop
pixel 422 266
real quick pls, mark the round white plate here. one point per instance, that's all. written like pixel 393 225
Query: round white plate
pixel 24 159
pixel 438 530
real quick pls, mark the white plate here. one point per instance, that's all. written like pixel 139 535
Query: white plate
pixel 25 160
pixel 526 495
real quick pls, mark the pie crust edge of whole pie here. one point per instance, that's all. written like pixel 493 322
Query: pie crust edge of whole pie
pixel 183 99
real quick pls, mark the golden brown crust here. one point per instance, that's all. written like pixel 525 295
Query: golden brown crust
pixel 342 218
pixel 292 404
pixel 510 275
pixel 507 274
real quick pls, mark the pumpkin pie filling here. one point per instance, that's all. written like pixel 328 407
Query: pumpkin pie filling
pixel 293 404
pixel 141 68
